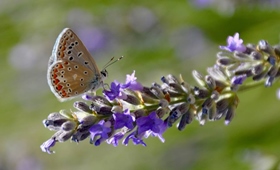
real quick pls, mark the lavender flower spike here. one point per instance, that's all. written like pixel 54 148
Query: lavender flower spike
pixel 130 111
pixel 234 44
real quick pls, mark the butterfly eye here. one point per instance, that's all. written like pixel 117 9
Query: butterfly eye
pixel 104 73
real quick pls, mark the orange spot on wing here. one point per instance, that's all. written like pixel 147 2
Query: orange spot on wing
pixel 59 87
pixel 64 94
pixel 56 81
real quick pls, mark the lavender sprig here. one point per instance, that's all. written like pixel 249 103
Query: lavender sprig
pixel 132 112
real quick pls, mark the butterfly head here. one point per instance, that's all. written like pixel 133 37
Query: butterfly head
pixel 104 73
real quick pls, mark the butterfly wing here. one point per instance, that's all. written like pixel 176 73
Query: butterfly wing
pixel 67 80
pixel 68 46
pixel 72 70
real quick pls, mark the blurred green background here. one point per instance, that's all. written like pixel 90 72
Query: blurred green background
pixel 157 38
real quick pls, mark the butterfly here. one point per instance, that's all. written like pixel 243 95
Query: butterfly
pixel 72 71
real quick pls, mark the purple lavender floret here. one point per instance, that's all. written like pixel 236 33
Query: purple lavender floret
pixel 135 139
pixel 150 122
pixel 46 146
pixel 100 130
pixel 116 90
pixel 234 44
pixel 123 119
pixel 131 82
pixel 115 139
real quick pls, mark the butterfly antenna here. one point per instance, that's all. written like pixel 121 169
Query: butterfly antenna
pixel 112 61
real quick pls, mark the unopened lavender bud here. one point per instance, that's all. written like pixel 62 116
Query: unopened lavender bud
pixel 139 113
pixel 102 110
pixel 215 95
pixel 186 119
pixel 222 54
pixel 225 61
pixel 56 116
pixel 203 117
pixel 161 112
pixel 190 114
pixel 157 92
pixel 259 76
pixel 222 105
pixel 69 125
pixel 269 81
pixel 229 115
pixel 277 50
pixel 53 125
pixel 210 82
pixel 132 100
pixel 247 72
pixel 233 67
pixel 164 80
pixel 62 135
pixel 183 122
pixel 264 46
pixel 212 112
pixel 117 109
pixel 88 120
pixel 240 55
pixel 177 112
pixel 147 92
pixel 208 103
pixel 258 69
pixel 217 73
pixel 101 100
pixel 54 121
pixel 82 106
pixel 175 88
pixel 199 78
pixel 172 79
pixel 163 103
pixel 79 136
pixel 256 55
pixel 201 93
pixel 272 71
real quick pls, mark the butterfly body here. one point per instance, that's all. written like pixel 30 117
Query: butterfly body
pixel 72 71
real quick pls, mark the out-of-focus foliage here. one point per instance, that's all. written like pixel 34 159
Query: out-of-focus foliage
pixel 156 38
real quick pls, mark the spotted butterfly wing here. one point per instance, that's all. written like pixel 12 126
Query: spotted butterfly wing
pixel 72 70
